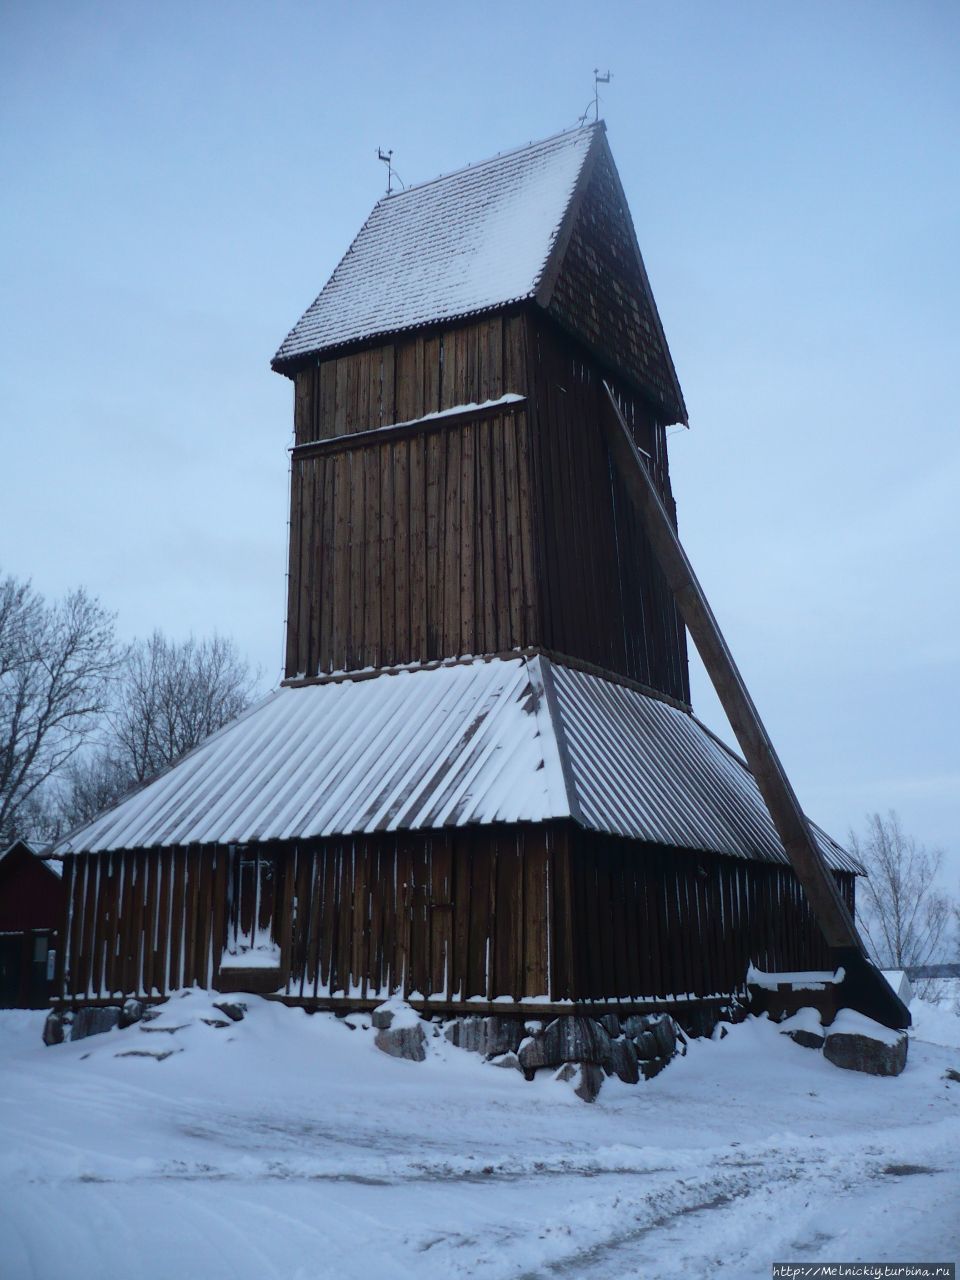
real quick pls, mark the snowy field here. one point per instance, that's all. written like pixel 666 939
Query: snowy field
pixel 288 1146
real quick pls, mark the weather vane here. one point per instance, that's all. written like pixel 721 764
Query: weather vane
pixel 598 80
pixel 387 158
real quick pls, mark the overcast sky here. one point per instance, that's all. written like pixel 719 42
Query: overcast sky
pixel 180 179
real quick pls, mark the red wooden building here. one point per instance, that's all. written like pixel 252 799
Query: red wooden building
pixel 482 779
pixel 31 911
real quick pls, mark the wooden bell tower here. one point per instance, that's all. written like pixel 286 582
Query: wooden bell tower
pixel 451 489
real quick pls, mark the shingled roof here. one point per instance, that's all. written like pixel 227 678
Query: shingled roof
pixel 490 236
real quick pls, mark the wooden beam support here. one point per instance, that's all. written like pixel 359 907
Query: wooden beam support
pixel 823 894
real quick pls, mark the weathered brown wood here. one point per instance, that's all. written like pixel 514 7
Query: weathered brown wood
pixel 779 797
pixel 178 870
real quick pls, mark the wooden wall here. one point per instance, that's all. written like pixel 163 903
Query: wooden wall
pixel 602 596
pixel 668 922
pixel 477 533
pixel 412 548
pixel 601 294
pixel 535 913
pixel 415 374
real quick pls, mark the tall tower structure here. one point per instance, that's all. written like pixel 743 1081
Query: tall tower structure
pixel 481 779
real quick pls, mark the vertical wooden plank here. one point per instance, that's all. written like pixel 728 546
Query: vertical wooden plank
pixel 319 569
pixel 440 905
pixel 357 586
pixel 358 926
pixel 178 898
pixel 347 885
pixel 324 657
pixel 292 659
pixel 478 950
pixel 486 536
pixel 460 893
pixel 325 421
pixel 332 857
pixel 435 446
pixel 390 881
pixel 532 625
pixel 218 911
pixel 402 648
pixel 430 360
pixel 308 566
pixel 314 904
pixel 283 925
pixel 449 557
pixel 536 907
pixel 162 961
pixel 150 861
pixel 389 577
pixel 467 639
pixel 388 385
pixel 204 961
pixel 340 607
pixel 409 380
pixel 565 981
pixel 371 646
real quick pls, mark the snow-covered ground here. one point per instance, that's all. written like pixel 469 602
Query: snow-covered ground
pixel 289 1146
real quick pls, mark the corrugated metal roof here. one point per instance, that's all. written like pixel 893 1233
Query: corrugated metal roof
pixel 442 747
pixel 645 769
pixel 464 243
pixel 505 740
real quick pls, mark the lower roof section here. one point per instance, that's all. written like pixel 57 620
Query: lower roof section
pixel 503 740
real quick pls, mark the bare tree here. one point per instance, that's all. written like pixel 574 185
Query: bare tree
pixel 91 782
pixel 902 914
pixel 56 661
pixel 171 695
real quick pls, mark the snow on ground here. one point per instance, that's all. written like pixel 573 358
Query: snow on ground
pixel 289 1146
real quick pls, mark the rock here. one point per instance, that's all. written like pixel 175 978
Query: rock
pixel 857 1043
pixel 646 1046
pixel 654 1066
pixel 402 1041
pixel 665 1031
pixel 158 1055
pixel 586 1078
pixel 55 1028
pixel 804 1028
pixel 952 1074
pixel 220 1022
pixel 622 1061
pixel 565 1039
pixel 382 1017
pixel 611 1025
pixel 809 1039
pixel 131 1012
pixel 655 1034
pixel 635 1024
pixel 152 1013
pixel 505 1060
pixel 491 1036
pixel 591 1080
pixel 234 1009
pixel 94 1021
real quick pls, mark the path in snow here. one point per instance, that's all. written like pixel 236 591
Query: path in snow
pixel 288 1146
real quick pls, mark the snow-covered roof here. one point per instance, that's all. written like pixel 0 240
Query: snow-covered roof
pixel 501 741
pixel 464 243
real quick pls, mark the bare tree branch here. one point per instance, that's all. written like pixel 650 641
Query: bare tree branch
pixel 902 915
pixel 56 662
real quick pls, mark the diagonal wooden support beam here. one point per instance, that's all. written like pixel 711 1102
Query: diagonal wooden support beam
pixel 866 988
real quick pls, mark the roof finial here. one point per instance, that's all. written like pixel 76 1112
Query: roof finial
pixel 598 80
pixel 387 158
